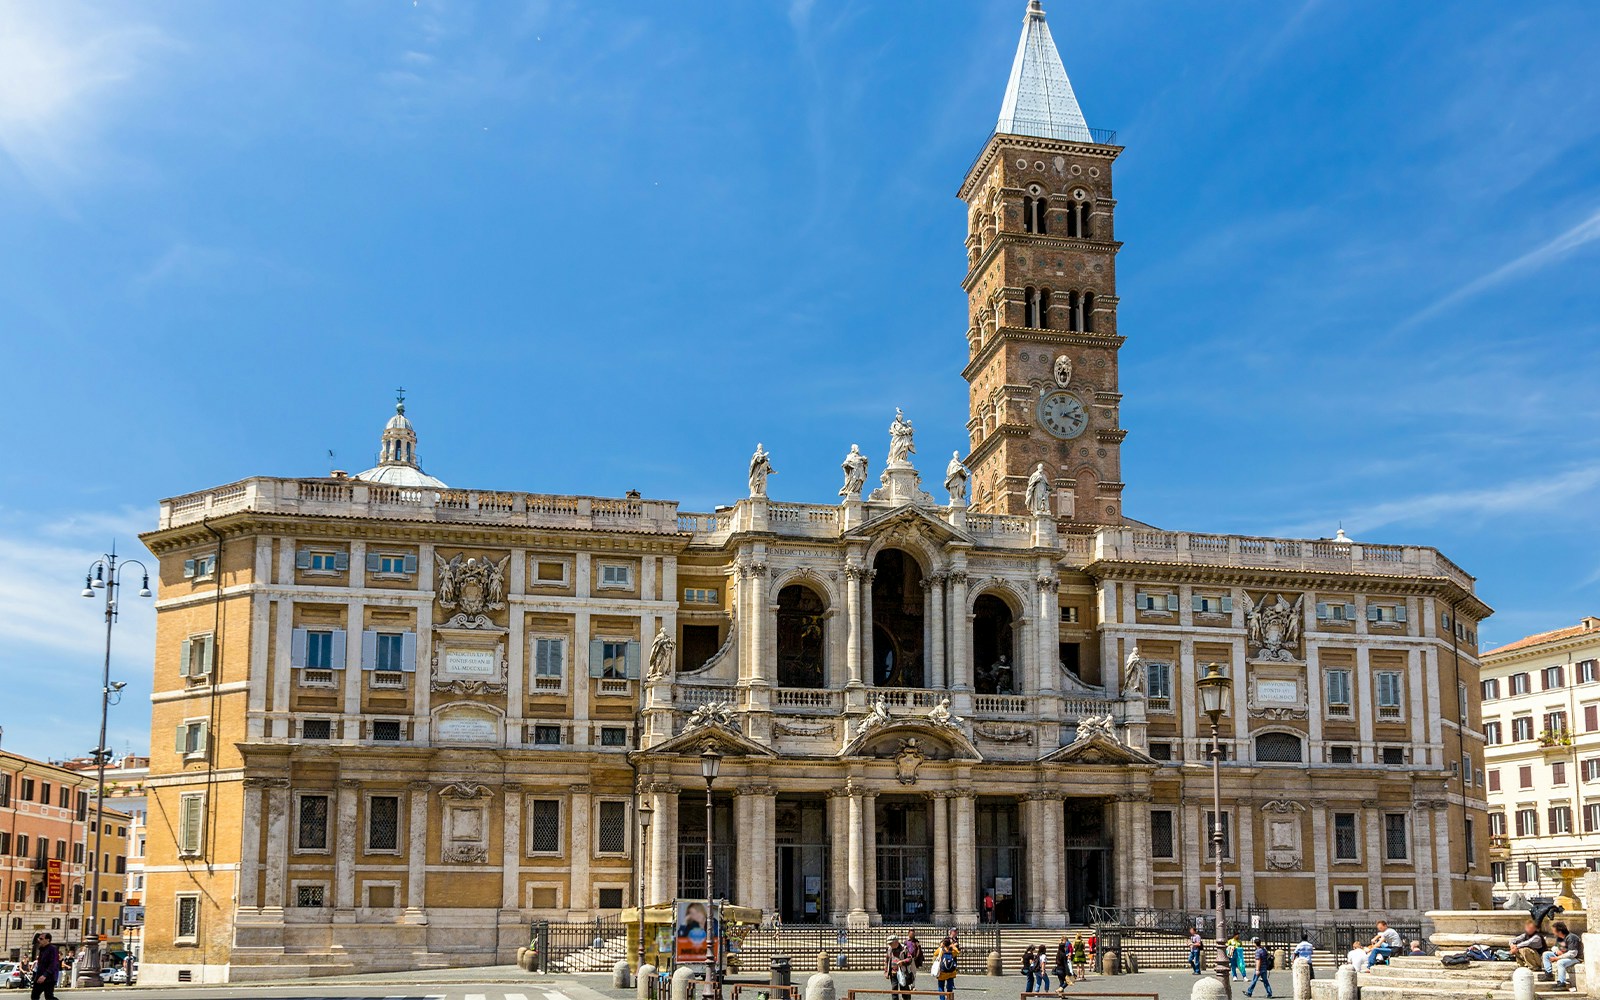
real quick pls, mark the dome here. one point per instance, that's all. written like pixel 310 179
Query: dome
pixel 397 456
pixel 407 476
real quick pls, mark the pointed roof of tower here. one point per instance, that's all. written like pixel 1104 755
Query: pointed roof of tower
pixel 397 461
pixel 1039 98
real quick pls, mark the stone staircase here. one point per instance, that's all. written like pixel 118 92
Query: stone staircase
pixel 1406 978
pixel 594 959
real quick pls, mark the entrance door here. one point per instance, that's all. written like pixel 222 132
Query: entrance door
pixel 1001 866
pixel 803 860
pixel 1088 867
pixel 905 860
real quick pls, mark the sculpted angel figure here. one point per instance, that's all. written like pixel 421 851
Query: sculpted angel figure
pixel 497 582
pixel 760 469
pixel 877 717
pixel 447 581
pixel 1038 495
pixel 940 714
pixel 661 650
pixel 855 472
pixel 1133 675
pixel 955 478
pixel 900 446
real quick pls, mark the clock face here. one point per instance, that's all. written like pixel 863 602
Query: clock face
pixel 1063 414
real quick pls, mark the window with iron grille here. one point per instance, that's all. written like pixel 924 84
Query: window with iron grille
pixel 1396 845
pixel 387 730
pixel 309 896
pixel 613 736
pixel 1394 755
pixel 188 916
pixel 1341 755
pixel 613 828
pixel 1279 748
pixel 312 830
pixel 547 735
pixel 316 729
pixel 1161 838
pixel 383 823
pixel 1161 750
pixel 544 826
pixel 610 899
pixel 1345 844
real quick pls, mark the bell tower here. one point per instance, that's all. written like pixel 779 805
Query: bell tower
pixel 1042 298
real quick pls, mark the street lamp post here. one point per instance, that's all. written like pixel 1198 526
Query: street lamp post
pixel 645 815
pixel 104 574
pixel 710 764
pixel 1213 689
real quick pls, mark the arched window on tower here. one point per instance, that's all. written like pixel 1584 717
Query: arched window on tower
pixel 1088 312
pixel 1027 214
pixel 1083 221
pixel 1041 216
pixel 1074 312
pixel 1044 309
pixel 1072 221
pixel 1030 306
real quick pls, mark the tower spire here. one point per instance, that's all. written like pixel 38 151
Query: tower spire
pixel 1039 99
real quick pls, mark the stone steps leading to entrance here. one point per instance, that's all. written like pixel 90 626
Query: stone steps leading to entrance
pixel 1408 978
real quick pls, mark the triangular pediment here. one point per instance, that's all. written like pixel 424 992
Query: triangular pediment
pixel 726 737
pixel 935 741
pixel 917 521
pixel 1097 748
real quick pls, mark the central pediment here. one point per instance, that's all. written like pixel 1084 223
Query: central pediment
pixel 909 521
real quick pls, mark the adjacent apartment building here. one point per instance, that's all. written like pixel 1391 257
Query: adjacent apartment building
pixel 396 721
pixel 125 778
pixel 1541 721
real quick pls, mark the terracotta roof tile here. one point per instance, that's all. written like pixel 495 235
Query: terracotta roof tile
pixel 1539 638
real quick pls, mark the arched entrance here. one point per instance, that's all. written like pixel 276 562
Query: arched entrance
pixel 994 665
pixel 897 616
pixel 800 637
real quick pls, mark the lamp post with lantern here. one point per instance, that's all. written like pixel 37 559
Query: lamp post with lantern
pixel 646 813
pixel 1213 688
pixel 710 764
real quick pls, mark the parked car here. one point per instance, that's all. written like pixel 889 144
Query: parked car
pixel 116 977
pixel 16 979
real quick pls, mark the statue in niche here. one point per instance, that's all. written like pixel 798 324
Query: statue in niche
pixel 760 469
pixel 901 447
pixel 1038 495
pixel 662 649
pixel 1133 675
pixel 996 678
pixel 955 478
pixel 855 473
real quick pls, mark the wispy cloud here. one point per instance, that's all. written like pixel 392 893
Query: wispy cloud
pixel 1578 236
pixel 186 263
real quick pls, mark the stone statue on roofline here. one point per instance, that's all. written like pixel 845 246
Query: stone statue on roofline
pixel 760 469
pixel 855 473
pixel 955 478
pixel 901 447
pixel 1038 495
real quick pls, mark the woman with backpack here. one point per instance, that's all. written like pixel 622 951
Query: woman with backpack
pixel 944 965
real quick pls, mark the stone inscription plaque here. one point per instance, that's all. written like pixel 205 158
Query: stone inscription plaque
pixel 1278 692
pixel 466 730
pixel 472 662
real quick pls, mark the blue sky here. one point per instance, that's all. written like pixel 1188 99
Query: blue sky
pixel 612 245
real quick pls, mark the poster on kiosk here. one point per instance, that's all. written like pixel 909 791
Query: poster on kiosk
pixel 693 931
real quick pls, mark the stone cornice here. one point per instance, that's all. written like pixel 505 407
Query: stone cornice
pixel 1003 240
pixel 1058 338
pixel 1279 577
pixel 980 166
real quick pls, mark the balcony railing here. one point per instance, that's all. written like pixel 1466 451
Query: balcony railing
pixel 810 701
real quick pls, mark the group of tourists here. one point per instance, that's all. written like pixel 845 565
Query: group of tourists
pixel 1553 962
pixel 1072 959
pixel 906 958
pixel 1254 961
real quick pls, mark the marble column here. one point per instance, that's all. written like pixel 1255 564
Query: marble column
pixel 838 856
pixel 939 669
pixel 941 858
pixel 344 832
pixel 964 908
pixel 250 843
pixel 1030 816
pixel 867 664
pixel 852 604
pixel 277 861
pixel 580 897
pixel 960 630
pixel 857 865
pixel 747 872
pixel 1055 846
pixel 761 611
pixel 417 853
pixel 869 860
pixel 664 843
pixel 1048 630
pixel 765 847
pixel 511 852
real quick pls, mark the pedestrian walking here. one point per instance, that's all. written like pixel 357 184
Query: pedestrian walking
pixel 1063 960
pixel 1305 950
pixel 1080 957
pixel 1030 969
pixel 1235 952
pixel 1263 965
pixel 46 966
pixel 1194 950
pixel 899 970
pixel 914 949
pixel 944 965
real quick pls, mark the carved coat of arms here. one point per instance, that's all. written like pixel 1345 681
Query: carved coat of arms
pixel 908 760
pixel 472 585
pixel 1274 626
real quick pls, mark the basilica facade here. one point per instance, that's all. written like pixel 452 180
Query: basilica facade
pixel 408 719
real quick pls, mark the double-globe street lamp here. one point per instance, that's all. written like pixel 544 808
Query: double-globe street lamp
pixel 710 764
pixel 105 574
pixel 1213 688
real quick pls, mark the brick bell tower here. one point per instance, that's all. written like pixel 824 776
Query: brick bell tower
pixel 1042 298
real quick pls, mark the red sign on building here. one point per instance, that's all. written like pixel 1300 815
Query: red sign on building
pixel 54 889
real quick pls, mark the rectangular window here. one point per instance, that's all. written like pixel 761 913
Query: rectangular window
pixel 391 651
pixel 1335 612
pixel 1389 693
pixel 613 736
pixel 1156 602
pixel 1497 871
pixel 1520 684
pixel 312 828
pixel 700 595
pixel 1491 733
pixel 22 845
pixel 1394 755
pixel 1555 723
pixel 1591 718
pixel 1497 824
pixel 1211 604
pixel 1552 678
pixel 386 730
pixel 1588 671
pixel 383 823
pixel 613 660
pixel 1344 837
pixel 1158 683
pixel 326 562
pixel 1558 772
pixel 616 575
pixel 1466 768
pixel 1160 750
pixel 316 729
pixel 191 823
pixel 191 739
pixel 199 568
pixel 1396 846
pixel 1527 822
pixel 1491 689
pixel 1348 899
pixel 1337 684
pixel 318 650
pixel 610 899
pixel 309 896
pixel 1560 819
pixel 544 827
pixel 1591 768
pixel 1162 843
pixel 44 793
pixel 1210 835
pixel 188 928
pixel 1494 780
pixel 547 736
pixel 551 572
pixel 1591 817
pixel 1342 754
pixel 5 788
pixel 392 564
pixel 196 655
pixel 1391 613
pixel 549 662
pixel 1525 776
pixel 1522 728
pixel 612 833
pixel 1069 616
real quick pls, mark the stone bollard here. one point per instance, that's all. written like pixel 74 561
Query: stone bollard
pixel 1108 963
pixel 993 965
pixel 824 962
pixel 1280 959
pixel 820 987
pixel 1344 983
pixel 679 989
pixel 647 978
pixel 1300 974
pixel 1208 988
pixel 620 975
pixel 1522 984
pixel 522 957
